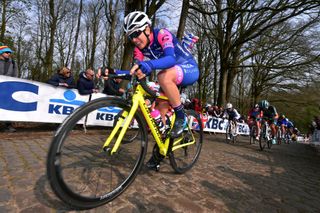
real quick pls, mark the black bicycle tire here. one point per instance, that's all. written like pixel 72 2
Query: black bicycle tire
pixel 53 165
pixel 263 138
pixel 269 143
pixel 172 157
pixel 252 134
pixel 228 133
pixel 278 136
pixel 234 137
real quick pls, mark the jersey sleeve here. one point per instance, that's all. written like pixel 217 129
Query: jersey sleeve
pixel 168 60
pixel 137 54
pixel 165 39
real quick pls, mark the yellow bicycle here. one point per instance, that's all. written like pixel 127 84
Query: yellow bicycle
pixel 89 169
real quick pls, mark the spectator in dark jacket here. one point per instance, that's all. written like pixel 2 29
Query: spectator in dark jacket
pixel 8 67
pixel 85 83
pixel 111 86
pixel 63 78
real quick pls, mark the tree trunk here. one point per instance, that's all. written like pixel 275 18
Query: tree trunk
pixel 49 54
pixel 3 20
pixel 113 17
pixel 73 55
pixel 222 83
pixel 183 18
pixel 215 78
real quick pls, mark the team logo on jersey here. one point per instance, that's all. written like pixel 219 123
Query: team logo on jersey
pixel 165 38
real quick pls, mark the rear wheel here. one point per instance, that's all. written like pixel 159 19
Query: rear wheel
pixel 182 159
pixel 271 139
pixel 279 136
pixel 253 134
pixel 80 172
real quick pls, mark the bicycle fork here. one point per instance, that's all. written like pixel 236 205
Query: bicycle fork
pixel 124 120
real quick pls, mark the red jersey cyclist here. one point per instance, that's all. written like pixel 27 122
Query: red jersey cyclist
pixel 254 117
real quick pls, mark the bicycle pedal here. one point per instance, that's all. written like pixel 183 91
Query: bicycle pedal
pixel 107 150
pixel 157 168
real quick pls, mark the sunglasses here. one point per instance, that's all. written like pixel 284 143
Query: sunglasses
pixel 135 34
pixel 8 52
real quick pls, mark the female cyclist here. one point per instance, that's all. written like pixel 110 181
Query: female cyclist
pixel 176 65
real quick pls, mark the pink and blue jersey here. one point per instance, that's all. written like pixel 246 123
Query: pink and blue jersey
pixel 165 51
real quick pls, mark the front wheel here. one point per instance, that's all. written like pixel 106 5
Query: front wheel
pixel 182 159
pixel 263 140
pixel 231 132
pixel 80 171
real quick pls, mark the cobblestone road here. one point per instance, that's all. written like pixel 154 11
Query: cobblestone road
pixel 227 178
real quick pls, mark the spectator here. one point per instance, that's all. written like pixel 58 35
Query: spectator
pixel 196 105
pixel 111 86
pixel 315 124
pixel 242 119
pixel 8 67
pixel 187 104
pixel 63 78
pixel 85 84
pixel 217 112
pixel 207 109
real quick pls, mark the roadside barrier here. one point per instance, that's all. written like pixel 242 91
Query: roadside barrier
pixel 31 101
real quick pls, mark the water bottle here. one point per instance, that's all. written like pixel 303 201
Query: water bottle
pixel 157 117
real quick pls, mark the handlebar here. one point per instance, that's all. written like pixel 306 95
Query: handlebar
pixel 143 83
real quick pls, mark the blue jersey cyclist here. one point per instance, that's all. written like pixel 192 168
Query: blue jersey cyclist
pixel 174 64
pixel 285 124
pixel 177 66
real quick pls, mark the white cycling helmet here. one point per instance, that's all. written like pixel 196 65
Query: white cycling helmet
pixel 135 21
pixel 229 105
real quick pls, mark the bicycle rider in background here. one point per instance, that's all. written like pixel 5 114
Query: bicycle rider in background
pixel 270 115
pixel 254 118
pixel 282 124
pixel 174 64
pixel 231 114
pixel 285 125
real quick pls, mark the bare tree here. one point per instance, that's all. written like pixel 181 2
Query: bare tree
pixel 237 22
pixel 75 44
pixel 183 18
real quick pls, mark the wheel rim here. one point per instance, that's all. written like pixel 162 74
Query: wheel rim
pixel 82 167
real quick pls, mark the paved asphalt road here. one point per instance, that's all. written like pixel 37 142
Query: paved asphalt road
pixel 227 178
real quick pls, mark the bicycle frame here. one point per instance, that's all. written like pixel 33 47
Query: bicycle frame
pixel 139 102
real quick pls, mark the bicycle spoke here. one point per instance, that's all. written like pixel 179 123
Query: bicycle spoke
pixel 80 172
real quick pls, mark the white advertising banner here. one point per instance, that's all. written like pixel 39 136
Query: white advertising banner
pixel 213 124
pixel 32 101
